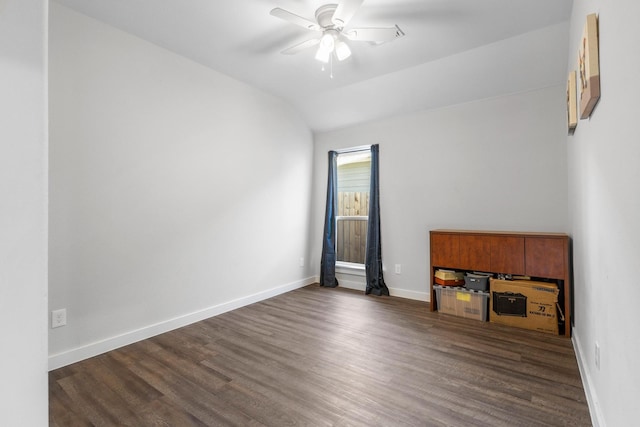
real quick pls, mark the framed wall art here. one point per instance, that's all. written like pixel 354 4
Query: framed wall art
pixel 572 102
pixel 588 66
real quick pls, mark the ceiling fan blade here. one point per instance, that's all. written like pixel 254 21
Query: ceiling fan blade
pixel 345 11
pixel 295 19
pixel 375 35
pixel 300 47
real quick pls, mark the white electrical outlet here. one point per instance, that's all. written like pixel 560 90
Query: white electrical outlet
pixel 301 262
pixel 58 318
pixel 597 355
pixel 398 269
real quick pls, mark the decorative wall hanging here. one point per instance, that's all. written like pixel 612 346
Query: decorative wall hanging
pixel 589 67
pixel 572 103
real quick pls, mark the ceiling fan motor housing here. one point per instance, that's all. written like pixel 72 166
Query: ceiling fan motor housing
pixel 324 16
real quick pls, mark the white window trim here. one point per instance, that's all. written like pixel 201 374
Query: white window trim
pixel 355 218
pixel 353 149
pixel 350 268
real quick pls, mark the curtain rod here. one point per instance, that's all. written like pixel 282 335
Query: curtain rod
pixel 353 149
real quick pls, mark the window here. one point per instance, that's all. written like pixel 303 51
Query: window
pixel 354 174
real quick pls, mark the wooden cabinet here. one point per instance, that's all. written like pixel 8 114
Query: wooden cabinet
pixel 545 257
pixel 540 255
pixel 445 249
pixel 507 254
pixel 474 253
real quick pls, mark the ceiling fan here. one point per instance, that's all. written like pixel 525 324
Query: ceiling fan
pixel 330 23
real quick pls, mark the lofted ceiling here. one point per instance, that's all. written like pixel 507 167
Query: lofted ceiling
pixel 453 50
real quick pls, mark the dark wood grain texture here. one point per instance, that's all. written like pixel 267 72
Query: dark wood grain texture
pixel 445 250
pixel 507 254
pixel 327 357
pixel 545 257
pixel 475 253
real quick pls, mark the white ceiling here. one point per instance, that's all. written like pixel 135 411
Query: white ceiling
pixel 453 50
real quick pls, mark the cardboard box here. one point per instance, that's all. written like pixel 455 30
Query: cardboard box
pixel 541 300
pixel 462 302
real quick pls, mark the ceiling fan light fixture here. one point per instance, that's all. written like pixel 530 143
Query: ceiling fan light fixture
pixel 342 51
pixel 322 54
pixel 328 42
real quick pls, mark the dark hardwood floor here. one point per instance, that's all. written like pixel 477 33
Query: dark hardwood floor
pixel 328 357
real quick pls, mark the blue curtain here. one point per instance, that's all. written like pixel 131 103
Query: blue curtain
pixel 373 260
pixel 328 260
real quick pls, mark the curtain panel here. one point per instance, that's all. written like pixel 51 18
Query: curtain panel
pixel 373 260
pixel 328 260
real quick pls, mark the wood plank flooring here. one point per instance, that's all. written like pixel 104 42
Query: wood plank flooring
pixel 327 357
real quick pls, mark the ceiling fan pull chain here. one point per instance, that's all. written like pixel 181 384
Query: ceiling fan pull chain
pixel 331 66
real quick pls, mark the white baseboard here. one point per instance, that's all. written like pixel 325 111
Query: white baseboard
pixel 589 391
pixel 90 350
pixel 394 292
pixel 404 293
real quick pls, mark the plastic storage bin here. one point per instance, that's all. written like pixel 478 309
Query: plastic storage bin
pixel 476 282
pixel 462 302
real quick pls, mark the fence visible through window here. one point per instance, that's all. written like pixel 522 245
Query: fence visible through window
pixel 351 226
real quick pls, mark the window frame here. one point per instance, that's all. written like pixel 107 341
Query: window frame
pixel 345 266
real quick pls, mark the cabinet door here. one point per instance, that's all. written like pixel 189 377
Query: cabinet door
pixel 545 257
pixel 507 255
pixel 445 250
pixel 475 252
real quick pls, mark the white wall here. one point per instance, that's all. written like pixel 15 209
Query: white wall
pixel 604 184
pixel 495 164
pixel 23 212
pixel 176 192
